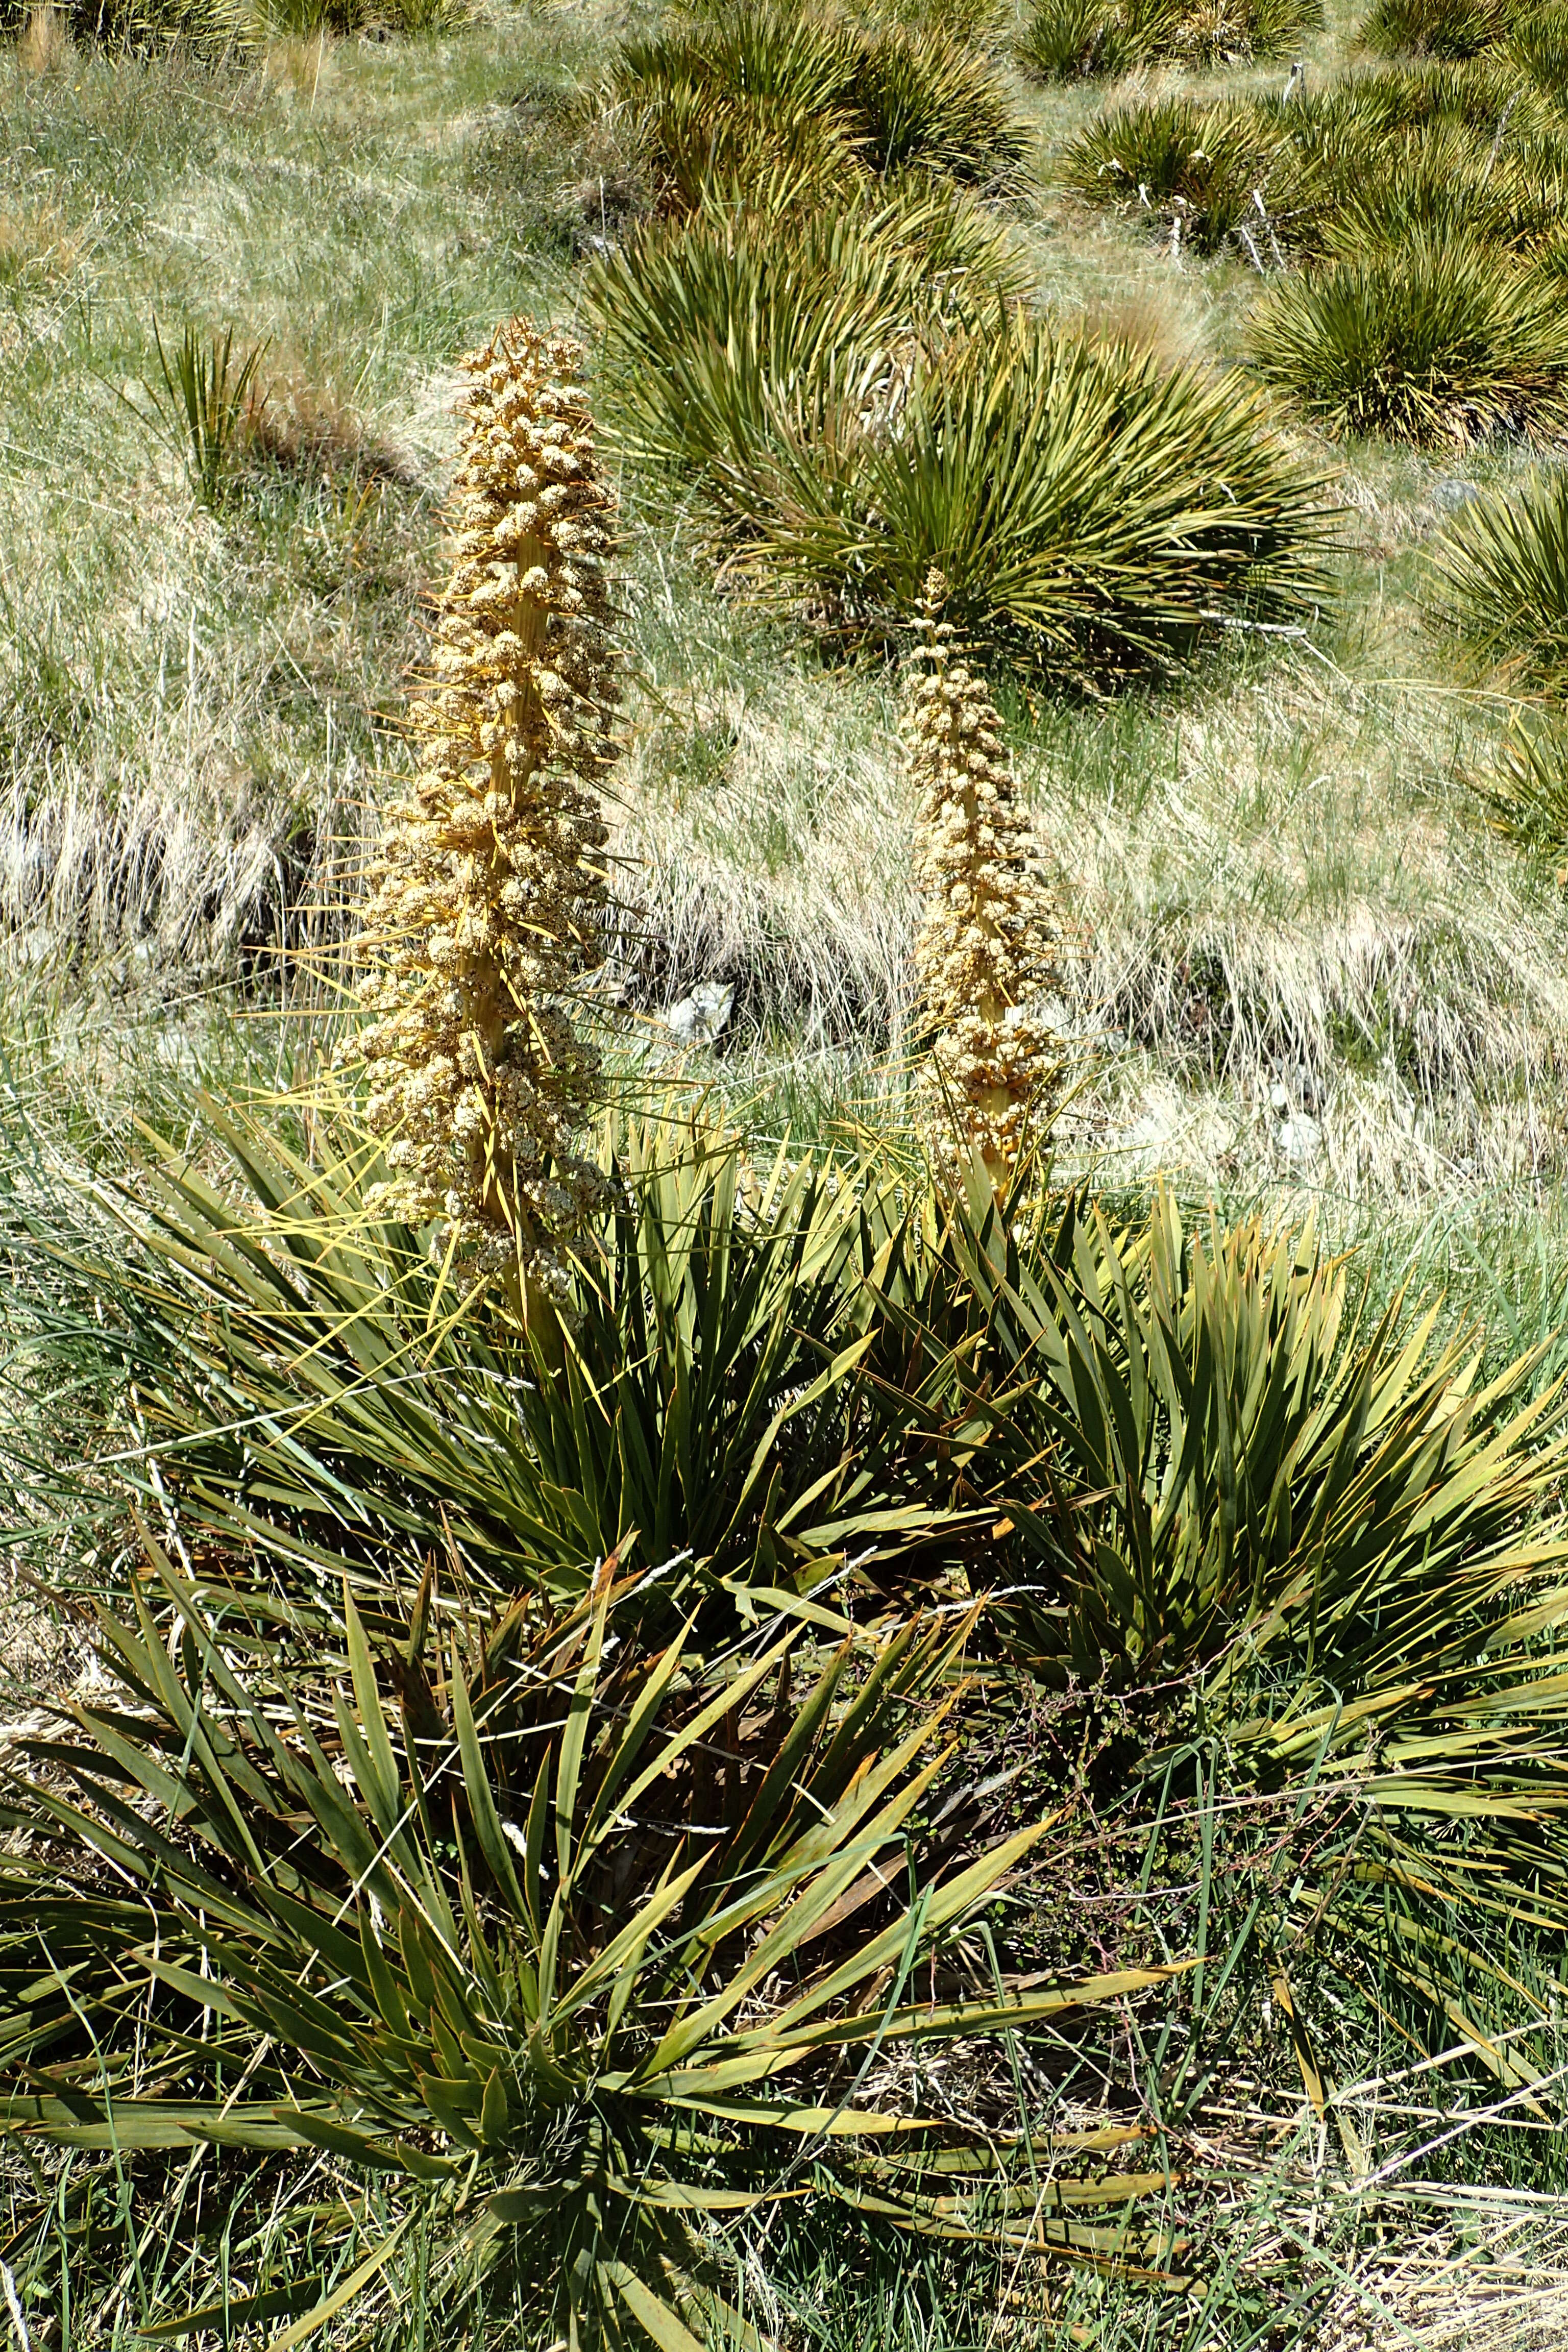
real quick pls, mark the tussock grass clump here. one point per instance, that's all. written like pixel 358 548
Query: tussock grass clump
pixel 985 950
pixel 484 921
pixel 1435 342
pixel 1063 40
pixel 42 44
pixel 1091 509
pixel 766 86
pixel 1501 579
pixel 1169 160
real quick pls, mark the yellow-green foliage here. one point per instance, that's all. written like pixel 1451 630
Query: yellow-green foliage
pixel 1502 580
pixel 1439 341
pixel 985 950
pixel 484 917
pixel 1062 40
pixel 764 85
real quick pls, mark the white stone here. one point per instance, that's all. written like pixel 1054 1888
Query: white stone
pixel 698 1018
pixel 1299 1138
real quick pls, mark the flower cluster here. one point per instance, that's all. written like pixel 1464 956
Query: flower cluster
pixel 486 915
pixel 986 953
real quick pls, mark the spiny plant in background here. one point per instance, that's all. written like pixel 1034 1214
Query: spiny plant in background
pixel 1357 165
pixel 1065 39
pixel 717 326
pixel 764 85
pixel 1170 161
pixel 986 951
pixel 1537 46
pixel 1436 28
pixel 1500 580
pixel 1396 98
pixel 1436 180
pixel 1457 31
pixel 209 28
pixel 1092 511
pixel 1436 341
pixel 484 921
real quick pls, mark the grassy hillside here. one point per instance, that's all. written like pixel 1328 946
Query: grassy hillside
pixel 1281 877
pixel 1312 965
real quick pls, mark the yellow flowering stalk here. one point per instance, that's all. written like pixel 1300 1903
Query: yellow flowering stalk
pixel 484 919
pixel 986 951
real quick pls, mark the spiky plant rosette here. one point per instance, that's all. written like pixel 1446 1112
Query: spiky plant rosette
pixel 1500 580
pixel 455 1910
pixel 901 95
pixel 1523 788
pixel 1092 511
pixel 1439 341
pixel 1169 158
pixel 485 920
pixel 1064 38
pixel 1450 29
pixel 985 952
pixel 760 300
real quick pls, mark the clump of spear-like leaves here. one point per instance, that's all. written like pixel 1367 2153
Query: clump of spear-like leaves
pixel 712 324
pixel 1187 171
pixel 1362 162
pixel 766 86
pixel 1202 1453
pixel 1062 40
pixel 304 1379
pixel 1178 1462
pixel 854 402
pixel 1502 580
pixel 1198 1469
pixel 1093 511
pixel 1436 28
pixel 1524 790
pixel 593 1948
pixel 1439 341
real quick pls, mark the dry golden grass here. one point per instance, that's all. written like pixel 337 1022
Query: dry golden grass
pixel 1492 2275
pixel 44 46
pixel 301 64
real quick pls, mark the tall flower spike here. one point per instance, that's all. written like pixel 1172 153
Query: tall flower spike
pixel 484 918
pixel 986 951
